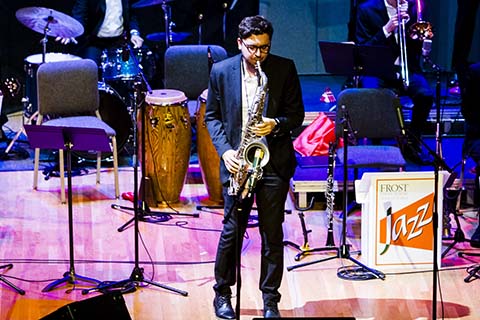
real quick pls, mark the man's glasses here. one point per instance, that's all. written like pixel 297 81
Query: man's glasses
pixel 252 49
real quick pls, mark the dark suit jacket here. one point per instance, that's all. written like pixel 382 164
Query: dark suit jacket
pixel 223 114
pixel 90 13
pixel 372 16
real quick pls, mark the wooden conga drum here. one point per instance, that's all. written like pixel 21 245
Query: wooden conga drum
pixel 168 136
pixel 207 155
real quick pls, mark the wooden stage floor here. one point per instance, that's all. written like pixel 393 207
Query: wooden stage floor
pixel 179 253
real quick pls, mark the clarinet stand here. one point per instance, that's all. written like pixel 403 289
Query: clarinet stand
pixel 139 208
pixel 343 251
pixel 68 138
pixel 8 283
pixel 144 213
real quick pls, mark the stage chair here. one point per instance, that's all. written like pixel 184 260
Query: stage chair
pixel 187 68
pixel 373 116
pixel 68 96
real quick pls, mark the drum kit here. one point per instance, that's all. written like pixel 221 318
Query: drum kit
pixel 166 117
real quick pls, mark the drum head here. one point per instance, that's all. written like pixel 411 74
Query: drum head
pixel 165 97
pixel 50 57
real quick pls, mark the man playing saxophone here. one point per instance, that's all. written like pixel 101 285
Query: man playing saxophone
pixel 233 90
pixel 378 22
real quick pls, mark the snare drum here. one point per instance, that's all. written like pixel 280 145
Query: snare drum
pixel 31 64
pixel 117 64
pixel 207 154
pixel 168 135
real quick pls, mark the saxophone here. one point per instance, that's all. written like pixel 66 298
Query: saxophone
pixel 252 152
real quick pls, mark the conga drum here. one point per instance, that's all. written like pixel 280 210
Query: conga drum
pixel 207 154
pixel 168 136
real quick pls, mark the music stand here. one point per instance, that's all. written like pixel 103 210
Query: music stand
pixel 349 59
pixel 69 139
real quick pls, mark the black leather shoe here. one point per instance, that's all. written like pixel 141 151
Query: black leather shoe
pixel 223 307
pixel 270 310
pixel 475 239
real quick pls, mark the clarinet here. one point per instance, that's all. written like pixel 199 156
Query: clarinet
pixel 329 194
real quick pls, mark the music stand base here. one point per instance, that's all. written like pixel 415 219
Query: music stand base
pixel 69 277
pixel 130 284
pixel 8 283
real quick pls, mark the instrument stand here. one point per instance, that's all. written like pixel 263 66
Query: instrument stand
pixel 8 283
pixel 305 247
pixel 459 235
pixel 167 15
pixel 343 251
pixel 136 278
pixel 68 138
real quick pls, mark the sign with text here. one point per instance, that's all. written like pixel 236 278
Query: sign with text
pixel 397 218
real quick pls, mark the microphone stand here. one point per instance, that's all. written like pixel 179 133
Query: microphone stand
pixel 136 278
pixel 437 167
pixel 8 283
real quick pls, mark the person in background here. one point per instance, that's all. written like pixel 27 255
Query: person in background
pixel 377 24
pixel 108 24
pixel 469 81
pixel 232 89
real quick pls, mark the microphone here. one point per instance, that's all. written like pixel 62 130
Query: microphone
pixel 426 47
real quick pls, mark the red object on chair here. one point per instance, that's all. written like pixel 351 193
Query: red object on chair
pixel 315 138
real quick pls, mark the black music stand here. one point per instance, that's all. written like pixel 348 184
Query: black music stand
pixel 69 139
pixel 8 283
pixel 348 59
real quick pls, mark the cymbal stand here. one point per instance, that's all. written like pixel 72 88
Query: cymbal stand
pixel 45 39
pixel 167 15
pixel 343 251
pixel 136 278
pixel 11 285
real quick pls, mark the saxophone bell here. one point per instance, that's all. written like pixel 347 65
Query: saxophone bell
pixel 250 154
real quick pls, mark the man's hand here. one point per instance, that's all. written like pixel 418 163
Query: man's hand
pixel 66 40
pixel 231 162
pixel 137 41
pixel 265 127
pixel 393 23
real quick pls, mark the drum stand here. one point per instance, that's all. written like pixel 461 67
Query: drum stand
pixel 139 208
pixel 11 285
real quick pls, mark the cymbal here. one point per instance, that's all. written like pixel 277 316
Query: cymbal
pixel 174 36
pixel 148 3
pixel 59 24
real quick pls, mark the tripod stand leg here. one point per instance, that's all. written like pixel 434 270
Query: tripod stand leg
pixel 69 278
pixel 8 283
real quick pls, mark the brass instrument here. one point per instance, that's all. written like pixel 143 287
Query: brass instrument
pixel 252 153
pixel 402 41
pixel 420 30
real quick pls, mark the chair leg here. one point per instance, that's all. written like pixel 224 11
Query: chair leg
pixel 61 163
pixel 115 166
pixel 35 168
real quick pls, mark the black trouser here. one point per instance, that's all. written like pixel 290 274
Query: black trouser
pixel 270 196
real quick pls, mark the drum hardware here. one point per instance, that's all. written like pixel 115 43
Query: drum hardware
pixel 140 207
pixel 49 22
pixel 167 15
